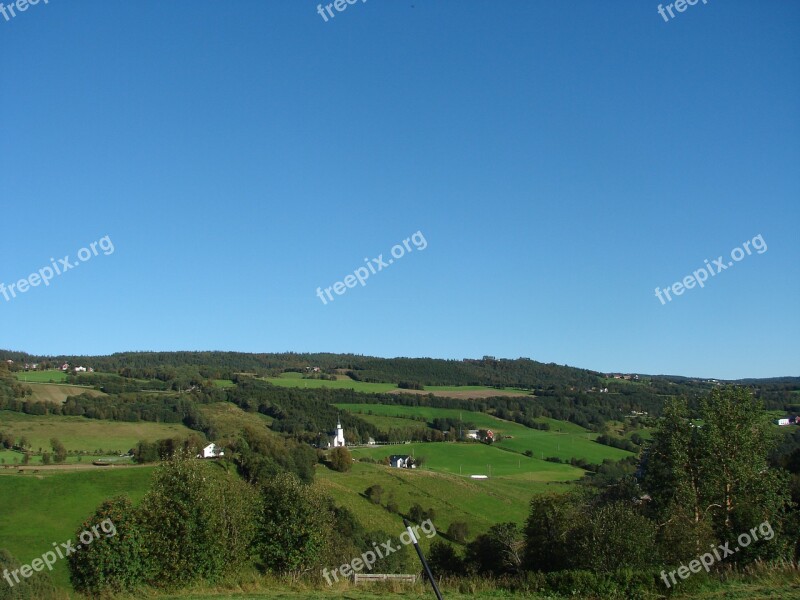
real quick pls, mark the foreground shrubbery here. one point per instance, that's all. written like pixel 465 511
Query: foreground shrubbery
pixel 199 523
pixel 700 487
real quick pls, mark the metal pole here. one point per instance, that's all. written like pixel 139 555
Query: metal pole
pixel 422 560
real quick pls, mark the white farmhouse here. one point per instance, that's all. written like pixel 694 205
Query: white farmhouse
pixel 211 451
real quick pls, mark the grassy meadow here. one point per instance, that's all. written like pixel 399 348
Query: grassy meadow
pixel 41 509
pixel 52 376
pixel 90 435
pixel 571 442
pixel 291 379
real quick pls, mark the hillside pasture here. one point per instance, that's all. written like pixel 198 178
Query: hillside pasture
pixel 467 459
pixel 228 420
pixel 343 382
pixel 51 376
pixel 573 443
pixel 89 435
pixel 54 506
pixel 479 503
pixel 58 393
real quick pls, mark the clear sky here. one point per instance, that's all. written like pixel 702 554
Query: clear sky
pixel 560 159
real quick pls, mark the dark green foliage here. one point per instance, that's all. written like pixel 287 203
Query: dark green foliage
pixel 117 560
pixel 612 535
pixel 410 385
pixel 199 522
pixel 444 560
pixel 374 493
pixel 294 531
pixel 458 531
pixel 616 442
pixel 165 449
pixel 499 551
pixel 260 456
pixel 417 514
pixel 59 451
pixel 340 459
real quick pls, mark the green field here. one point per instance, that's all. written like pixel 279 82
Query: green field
pixel 386 424
pixel 346 383
pixel 228 419
pixel 14 458
pixel 39 510
pixel 481 503
pixel 42 376
pixel 223 383
pixel 467 459
pixel 90 435
pixel 572 442
pixel 476 388
pixel 342 383
pixel 58 392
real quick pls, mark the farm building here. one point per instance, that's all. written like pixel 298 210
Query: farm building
pixel 211 451
pixel 788 421
pixel 482 435
pixel 401 462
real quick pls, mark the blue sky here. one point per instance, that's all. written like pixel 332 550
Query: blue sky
pixel 560 159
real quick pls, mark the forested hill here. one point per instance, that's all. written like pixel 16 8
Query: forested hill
pixel 426 371
pixel 487 371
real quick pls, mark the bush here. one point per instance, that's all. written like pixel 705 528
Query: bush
pixel 374 493
pixel 293 532
pixel 199 521
pixel 116 560
pixel 458 531
pixel 341 460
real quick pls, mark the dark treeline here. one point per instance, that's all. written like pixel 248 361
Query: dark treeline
pixel 521 372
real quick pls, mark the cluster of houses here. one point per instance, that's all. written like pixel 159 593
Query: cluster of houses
pixel 65 368
pixel 399 461
pixel 622 376
pixel 783 421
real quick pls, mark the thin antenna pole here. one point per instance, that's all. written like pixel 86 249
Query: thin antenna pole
pixel 422 560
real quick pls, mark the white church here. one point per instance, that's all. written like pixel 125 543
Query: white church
pixel 337 440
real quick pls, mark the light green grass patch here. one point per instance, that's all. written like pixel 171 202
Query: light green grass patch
pixel 577 443
pixel 90 435
pixel 39 510
pixel 223 383
pixel 51 376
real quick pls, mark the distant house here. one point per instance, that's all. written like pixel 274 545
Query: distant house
pixel 370 441
pixel 401 462
pixel 65 367
pixel 211 451
pixel 794 420
pixel 482 435
pixel 80 369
